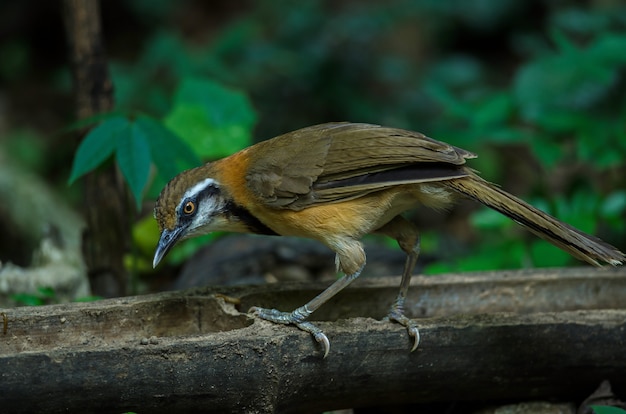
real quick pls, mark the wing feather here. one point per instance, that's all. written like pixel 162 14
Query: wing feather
pixel 342 161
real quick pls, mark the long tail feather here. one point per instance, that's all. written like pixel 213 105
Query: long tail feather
pixel 577 243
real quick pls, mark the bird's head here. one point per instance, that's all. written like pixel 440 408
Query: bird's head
pixel 191 204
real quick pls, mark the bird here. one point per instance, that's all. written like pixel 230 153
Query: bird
pixel 335 183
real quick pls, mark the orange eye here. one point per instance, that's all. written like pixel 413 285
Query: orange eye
pixel 189 207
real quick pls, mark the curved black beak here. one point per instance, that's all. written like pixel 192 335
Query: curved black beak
pixel 167 240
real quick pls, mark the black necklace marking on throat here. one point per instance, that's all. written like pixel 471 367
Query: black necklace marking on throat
pixel 251 222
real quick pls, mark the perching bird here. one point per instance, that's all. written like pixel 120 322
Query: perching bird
pixel 335 183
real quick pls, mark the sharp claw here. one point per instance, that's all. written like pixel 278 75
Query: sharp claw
pixel 276 316
pixel 415 333
pixel 318 335
pixel 411 327
pixel 321 338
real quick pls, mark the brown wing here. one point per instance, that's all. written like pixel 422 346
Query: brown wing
pixel 341 161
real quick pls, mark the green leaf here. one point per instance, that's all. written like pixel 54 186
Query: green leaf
pixel 133 158
pixel 559 121
pixel 562 41
pixel 544 254
pixel 579 210
pixel 592 149
pixel 46 292
pixel 569 79
pixel 44 295
pixel 191 123
pixel 611 210
pixel 489 219
pixel 27 299
pixel 145 235
pixel 494 110
pixel 85 122
pixel 605 409
pixel 609 49
pixel 214 120
pixel 547 151
pixel 170 154
pixel 97 146
pixel 451 104
pixel 614 205
pixel 505 254
pixel 579 21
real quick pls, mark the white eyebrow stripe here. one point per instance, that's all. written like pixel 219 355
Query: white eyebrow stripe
pixel 199 187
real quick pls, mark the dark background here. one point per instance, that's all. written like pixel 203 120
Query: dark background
pixel 536 88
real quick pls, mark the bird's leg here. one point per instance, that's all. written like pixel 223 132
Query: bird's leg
pixel 351 259
pixel 408 238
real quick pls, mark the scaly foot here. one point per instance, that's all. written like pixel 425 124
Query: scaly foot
pixel 297 318
pixel 396 315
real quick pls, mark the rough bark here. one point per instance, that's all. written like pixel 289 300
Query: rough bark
pixel 106 199
pixel 485 337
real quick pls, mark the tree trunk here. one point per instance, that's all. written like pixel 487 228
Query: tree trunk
pixel 106 199
pixel 552 334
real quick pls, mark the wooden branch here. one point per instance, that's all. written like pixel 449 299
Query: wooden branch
pixel 106 198
pixel 486 336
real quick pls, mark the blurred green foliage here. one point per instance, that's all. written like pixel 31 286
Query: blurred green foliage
pixel 537 89
pixel 206 121
pixel 552 92
pixel 605 409
pixel 45 296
